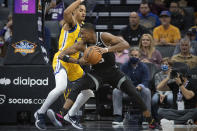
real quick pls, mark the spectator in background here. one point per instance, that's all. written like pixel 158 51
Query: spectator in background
pixel 139 74
pixel 148 52
pixel 183 3
pixel 54 10
pixel 122 57
pixel 2 42
pixel 185 56
pixel 191 35
pixel 177 19
pixel 195 27
pixel 6 32
pixel 184 100
pixel 133 32
pixel 147 18
pixel 157 7
pixel 166 34
pixel 163 93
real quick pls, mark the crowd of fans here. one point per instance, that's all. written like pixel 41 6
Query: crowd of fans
pixel 152 26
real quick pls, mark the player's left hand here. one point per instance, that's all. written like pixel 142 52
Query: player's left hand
pixel 82 61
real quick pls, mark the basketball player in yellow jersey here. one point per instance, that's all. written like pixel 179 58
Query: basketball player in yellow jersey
pixel 74 15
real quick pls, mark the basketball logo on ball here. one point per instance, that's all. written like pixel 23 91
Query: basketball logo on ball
pixel 92 56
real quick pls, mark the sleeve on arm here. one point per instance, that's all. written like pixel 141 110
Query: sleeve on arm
pixel 155 34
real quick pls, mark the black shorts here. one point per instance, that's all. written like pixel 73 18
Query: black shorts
pixel 95 79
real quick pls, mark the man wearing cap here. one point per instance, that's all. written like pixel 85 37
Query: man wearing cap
pixel 191 35
pixel 166 34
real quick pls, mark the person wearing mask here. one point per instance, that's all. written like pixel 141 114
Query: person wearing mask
pixel 163 94
pixel 139 74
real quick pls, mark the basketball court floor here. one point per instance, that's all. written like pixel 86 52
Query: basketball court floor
pixel 94 126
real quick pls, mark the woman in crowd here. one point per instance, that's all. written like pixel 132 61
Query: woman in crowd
pixel 148 52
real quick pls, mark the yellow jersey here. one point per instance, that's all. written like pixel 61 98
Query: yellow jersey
pixel 66 40
pixel 170 35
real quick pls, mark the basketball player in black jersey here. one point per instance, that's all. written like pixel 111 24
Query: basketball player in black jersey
pixel 105 71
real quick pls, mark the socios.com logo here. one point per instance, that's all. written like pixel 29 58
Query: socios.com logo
pixel 2 98
pixel 5 81
pixel 25 101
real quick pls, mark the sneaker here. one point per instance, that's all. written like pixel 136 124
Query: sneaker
pixel 118 120
pixel 190 122
pixel 167 125
pixel 165 121
pixel 40 121
pixel 73 120
pixel 152 124
pixel 52 117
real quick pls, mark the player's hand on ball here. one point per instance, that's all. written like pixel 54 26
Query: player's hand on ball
pixel 146 113
pixel 82 61
pixel 101 50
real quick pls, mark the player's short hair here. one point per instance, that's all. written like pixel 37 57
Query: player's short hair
pixel 88 26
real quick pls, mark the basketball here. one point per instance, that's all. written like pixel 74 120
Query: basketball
pixel 92 56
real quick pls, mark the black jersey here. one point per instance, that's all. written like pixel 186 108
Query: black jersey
pixel 108 59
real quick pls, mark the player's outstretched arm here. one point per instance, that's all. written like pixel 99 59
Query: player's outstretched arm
pixel 64 55
pixel 68 18
pixel 114 43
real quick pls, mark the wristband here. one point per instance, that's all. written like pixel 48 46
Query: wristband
pixel 107 49
pixel 180 84
pixel 66 58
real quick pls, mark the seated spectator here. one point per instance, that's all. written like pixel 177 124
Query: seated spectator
pixel 166 34
pixel 133 32
pixel 54 10
pixel 157 7
pixel 148 52
pixel 163 93
pixel 183 3
pixel 122 57
pixel 185 56
pixel 147 18
pixel 194 28
pixel 191 35
pixel 2 42
pixel 184 100
pixel 139 74
pixel 6 32
pixel 177 19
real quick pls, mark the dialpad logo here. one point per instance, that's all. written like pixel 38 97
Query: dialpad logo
pixel 5 81
pixel 24 47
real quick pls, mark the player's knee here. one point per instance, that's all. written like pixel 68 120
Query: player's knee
pixel 88 93
pixel 117 92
